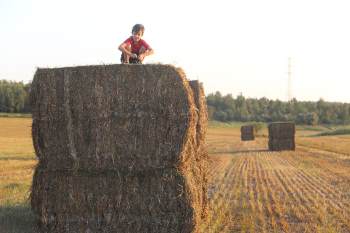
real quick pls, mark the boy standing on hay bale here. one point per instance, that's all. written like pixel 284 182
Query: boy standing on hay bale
pixel 134 49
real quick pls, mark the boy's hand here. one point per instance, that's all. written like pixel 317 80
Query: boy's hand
pixel 142 56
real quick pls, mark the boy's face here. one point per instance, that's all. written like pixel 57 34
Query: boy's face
pixel 137 36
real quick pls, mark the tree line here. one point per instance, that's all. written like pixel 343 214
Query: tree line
pixel 14 98
pixel 227 108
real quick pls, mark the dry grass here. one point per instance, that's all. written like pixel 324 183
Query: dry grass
pixel 261 191
pixel 251 189
pixel 15 138
pixel 338 144
pixel 15 181
pixel 17 161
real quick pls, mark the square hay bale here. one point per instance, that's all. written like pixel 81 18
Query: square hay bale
pixel 120 149
pixel 111 201
pixel 281 136
pixel 111 116
pixel 201 110
pixel 283 130
pixel 201 130
pixel 281 144
pixel 247 132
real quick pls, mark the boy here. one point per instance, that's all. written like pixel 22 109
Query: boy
pixel 134 49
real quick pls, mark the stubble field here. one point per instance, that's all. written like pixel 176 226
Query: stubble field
pixel 251 189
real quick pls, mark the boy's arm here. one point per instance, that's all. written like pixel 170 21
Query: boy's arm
pixel 122 48
pixel 147 52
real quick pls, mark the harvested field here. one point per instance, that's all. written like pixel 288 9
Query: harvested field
pixel 17 162
pixel 260 191
pixel 337 144
pixel 15 139
pixel 250 189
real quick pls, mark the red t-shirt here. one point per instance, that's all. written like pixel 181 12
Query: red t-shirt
pixel 136 46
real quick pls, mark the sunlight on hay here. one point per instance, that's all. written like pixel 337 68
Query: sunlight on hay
pixel 120 148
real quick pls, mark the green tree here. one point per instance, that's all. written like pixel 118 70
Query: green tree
pixel 227 108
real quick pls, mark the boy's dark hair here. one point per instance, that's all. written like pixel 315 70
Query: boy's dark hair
pixel 138 27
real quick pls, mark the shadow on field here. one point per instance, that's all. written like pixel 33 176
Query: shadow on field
pixel 16 158
pixel 16 219
pixel 240 151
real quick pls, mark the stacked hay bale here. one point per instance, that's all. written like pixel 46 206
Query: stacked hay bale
pixel 118 150
pixel 281 136
pixel 247 132
pixel 201 131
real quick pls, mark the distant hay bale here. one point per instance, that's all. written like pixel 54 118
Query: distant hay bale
pixel 247 132
pixel 281 144
pixel 120 148
pixel 283 130
pixel 281 136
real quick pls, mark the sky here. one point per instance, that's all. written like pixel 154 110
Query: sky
pixel 235 47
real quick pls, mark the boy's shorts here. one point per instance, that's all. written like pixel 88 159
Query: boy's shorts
pixel 131 60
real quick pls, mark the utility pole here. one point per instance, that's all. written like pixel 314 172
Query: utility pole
pixel 289 94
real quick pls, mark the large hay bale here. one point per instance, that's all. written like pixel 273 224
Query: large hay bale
pixel 118 150
pixel 110 201
pixel 247 132
pixel 107 117
pixel 281 136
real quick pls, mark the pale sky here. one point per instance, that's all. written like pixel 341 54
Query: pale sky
pixel 231 46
